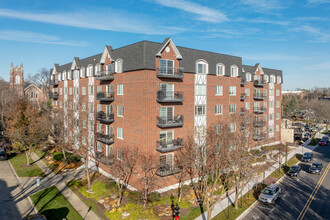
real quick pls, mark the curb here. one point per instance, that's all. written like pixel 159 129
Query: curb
pixel 247 210
pixel 19 185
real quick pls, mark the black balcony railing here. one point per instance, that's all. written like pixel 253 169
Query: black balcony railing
pixel 243 81
pixel 105 75
pixel 260 82
pixel 105 118
pixel 259 110
pixel 243 110
pixel 105 96
pixel 53 82
pixel 175 73
pixel 243 96
pixel 176 121
pixel 104 138
pixel 259 123
pixel 107 160
pixel 169 96
pixel 167 170
pixel 53 95
pixel 260 96
pixel 259 137
pixel 163 146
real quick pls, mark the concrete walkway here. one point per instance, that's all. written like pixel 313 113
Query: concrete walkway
pixel 223 204
pixel 60 182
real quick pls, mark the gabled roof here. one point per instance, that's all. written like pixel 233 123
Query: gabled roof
pixel 32 85
pixel 165 43
pixel 75 63
pixel 250 69
pixel 106 52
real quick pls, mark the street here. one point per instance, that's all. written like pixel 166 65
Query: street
pixel 304 197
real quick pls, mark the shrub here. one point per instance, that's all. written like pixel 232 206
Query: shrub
pixel 74 159
pixel 76 183
pixel 154 197
pixel 134 197
pixel 58 156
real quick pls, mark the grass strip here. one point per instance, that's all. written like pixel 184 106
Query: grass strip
pixel 19 164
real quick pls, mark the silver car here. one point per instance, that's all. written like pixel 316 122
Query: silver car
pixel 270 194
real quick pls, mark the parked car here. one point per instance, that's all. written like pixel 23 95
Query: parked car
pixel 35 217
pixel 270 194
pixel 294 170
pixel 316 168
pixel 325 138
pixel 3 154
pixel 307 157
pixel 323 143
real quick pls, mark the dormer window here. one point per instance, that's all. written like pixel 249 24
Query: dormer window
pixel 248 77
pixel 166 67
pixel 201 67
pixel 279 79
pixel 233 71
pixel 90 70
pixel 272 79
pixel 82 73
pixel 64 76
pixel 220 69
pixel 266 78
pixel 119 66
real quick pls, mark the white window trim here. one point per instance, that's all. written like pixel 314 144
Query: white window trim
pixel 223 69
pixel 122 138
pixel 118 111
pixel 119 89
pixel 221 94
pixel 220 108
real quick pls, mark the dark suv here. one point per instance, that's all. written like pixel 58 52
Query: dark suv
pixel 308 156
pixel 3 154
pixel 316 168
pixel 294 170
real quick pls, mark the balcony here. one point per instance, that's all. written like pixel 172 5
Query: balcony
pixel 259 137
pixel 259 83
pixel 259 96
pixel 173 145
pixel 168 170
pixel 243 126
pixel 243 96
pixel 105 96
pixel 170 73
pixel 53 82
pixel 259 123
pixel 107 160
pixel 105 75
pixel 243 111
pixel 259 110
pixel 104 138
pixel 105 118
pixel 176 121
pixel 53 95
pixel 169 96
pixel 243 81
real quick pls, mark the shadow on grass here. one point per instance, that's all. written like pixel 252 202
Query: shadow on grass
pixel 55 214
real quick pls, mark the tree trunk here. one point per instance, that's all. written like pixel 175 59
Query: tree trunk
pixel 87 174
pixel 236 196
pixel 120 189
pixel 27 158
pixel 180 192
pixel 63 152
pixel 208 207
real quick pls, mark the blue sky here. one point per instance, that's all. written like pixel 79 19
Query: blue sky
pixel 293 36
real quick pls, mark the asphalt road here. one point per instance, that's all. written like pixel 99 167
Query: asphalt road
pixel 304 197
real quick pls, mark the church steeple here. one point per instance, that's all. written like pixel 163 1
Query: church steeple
pixel 16 78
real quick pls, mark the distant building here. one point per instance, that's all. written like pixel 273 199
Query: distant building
pixel 299 93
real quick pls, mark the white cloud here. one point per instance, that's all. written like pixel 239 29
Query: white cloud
pixel 263 21
pixel 204 13
pixel 263 5
pixel 316 33
pixel 106 19
pixel 33 37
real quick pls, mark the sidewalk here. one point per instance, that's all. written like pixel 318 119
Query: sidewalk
pixel 29 187
pixel 223 204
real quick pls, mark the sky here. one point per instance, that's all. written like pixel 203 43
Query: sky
pixel 291 35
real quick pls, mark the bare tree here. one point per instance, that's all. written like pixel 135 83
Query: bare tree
pixel 41 79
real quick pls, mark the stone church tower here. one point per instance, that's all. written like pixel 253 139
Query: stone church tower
pixel 16 79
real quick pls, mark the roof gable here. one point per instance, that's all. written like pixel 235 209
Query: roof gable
pixel 75 63
pixel 32 85
pixel 165 43
pixel 106 52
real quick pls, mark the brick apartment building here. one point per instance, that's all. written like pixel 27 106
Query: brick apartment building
pixel 153 95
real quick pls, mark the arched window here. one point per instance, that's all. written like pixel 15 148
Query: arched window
pixel 272 79
pixel 82 72
pixel 17 79
pixel 266 78
pixel 90 70
pixel 279 79
pixel 220 69
pixel 97 69
pixel 119 66
pixel 233 71
pixel 64 75
pixel 248 77
pixel 201 67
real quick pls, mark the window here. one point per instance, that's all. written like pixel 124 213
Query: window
pixel 91 90
pixel 61 91
pixel 279 79
pixel 119 66
pixel 277 127
pixel 166 138
pixel 218 90
pixel 271 91
pixel 220 69
pixel 99 128
pixel 90 71
pixel 264 118
pixel 271 128
pixel 277 104
pixel 266 78
pixel 277 116
pixel 277 92
pixel 84 123
pixel 83 90
pixel 83 140
pixel 272 79
pixel 232 108
pixel 218 109
pixel 120 133
pixel 232 90
pixel 217 128
pixel 200 89
pixel 166 113
pixel 70 91
pixel 82 73
pixel 166 161
pixel 201 67
pixel 120 111
pixel 65 90
pixel 200 110
pixel 84 106
pixel 271 104
pixel 271 116
pixel 200 131
pixel 108 109
pixel 120 89
pixel 120 154
pixel 232 127
pixel 248 77
pixel 166 67
pixel 99 107
pixel 108 150
pixel 264 104
pixel 247 105
pixel 99 89
pixel 233 71
pixel 99 146
pixel 247 92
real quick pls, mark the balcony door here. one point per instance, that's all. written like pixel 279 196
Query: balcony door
pixel 166 161
pixel 166 137
pixel 166 113
pixel 108 109
pixel 109 89
pixel 108 68
pixel 167 67
pixel 108 129
pixel 167 89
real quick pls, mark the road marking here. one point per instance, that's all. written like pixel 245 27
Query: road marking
pixel 255 217
pixel 311 197
pixel 272 210
pixel 284 195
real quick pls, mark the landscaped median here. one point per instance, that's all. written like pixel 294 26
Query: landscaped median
pixel 18 161
pixel 250 197
pixel 314 141
pixel 53 205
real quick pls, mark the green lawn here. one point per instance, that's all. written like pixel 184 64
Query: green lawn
pixel 42 155
pixel 278 174
pixel 314 141
pixel 53 205
pixel 19 164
